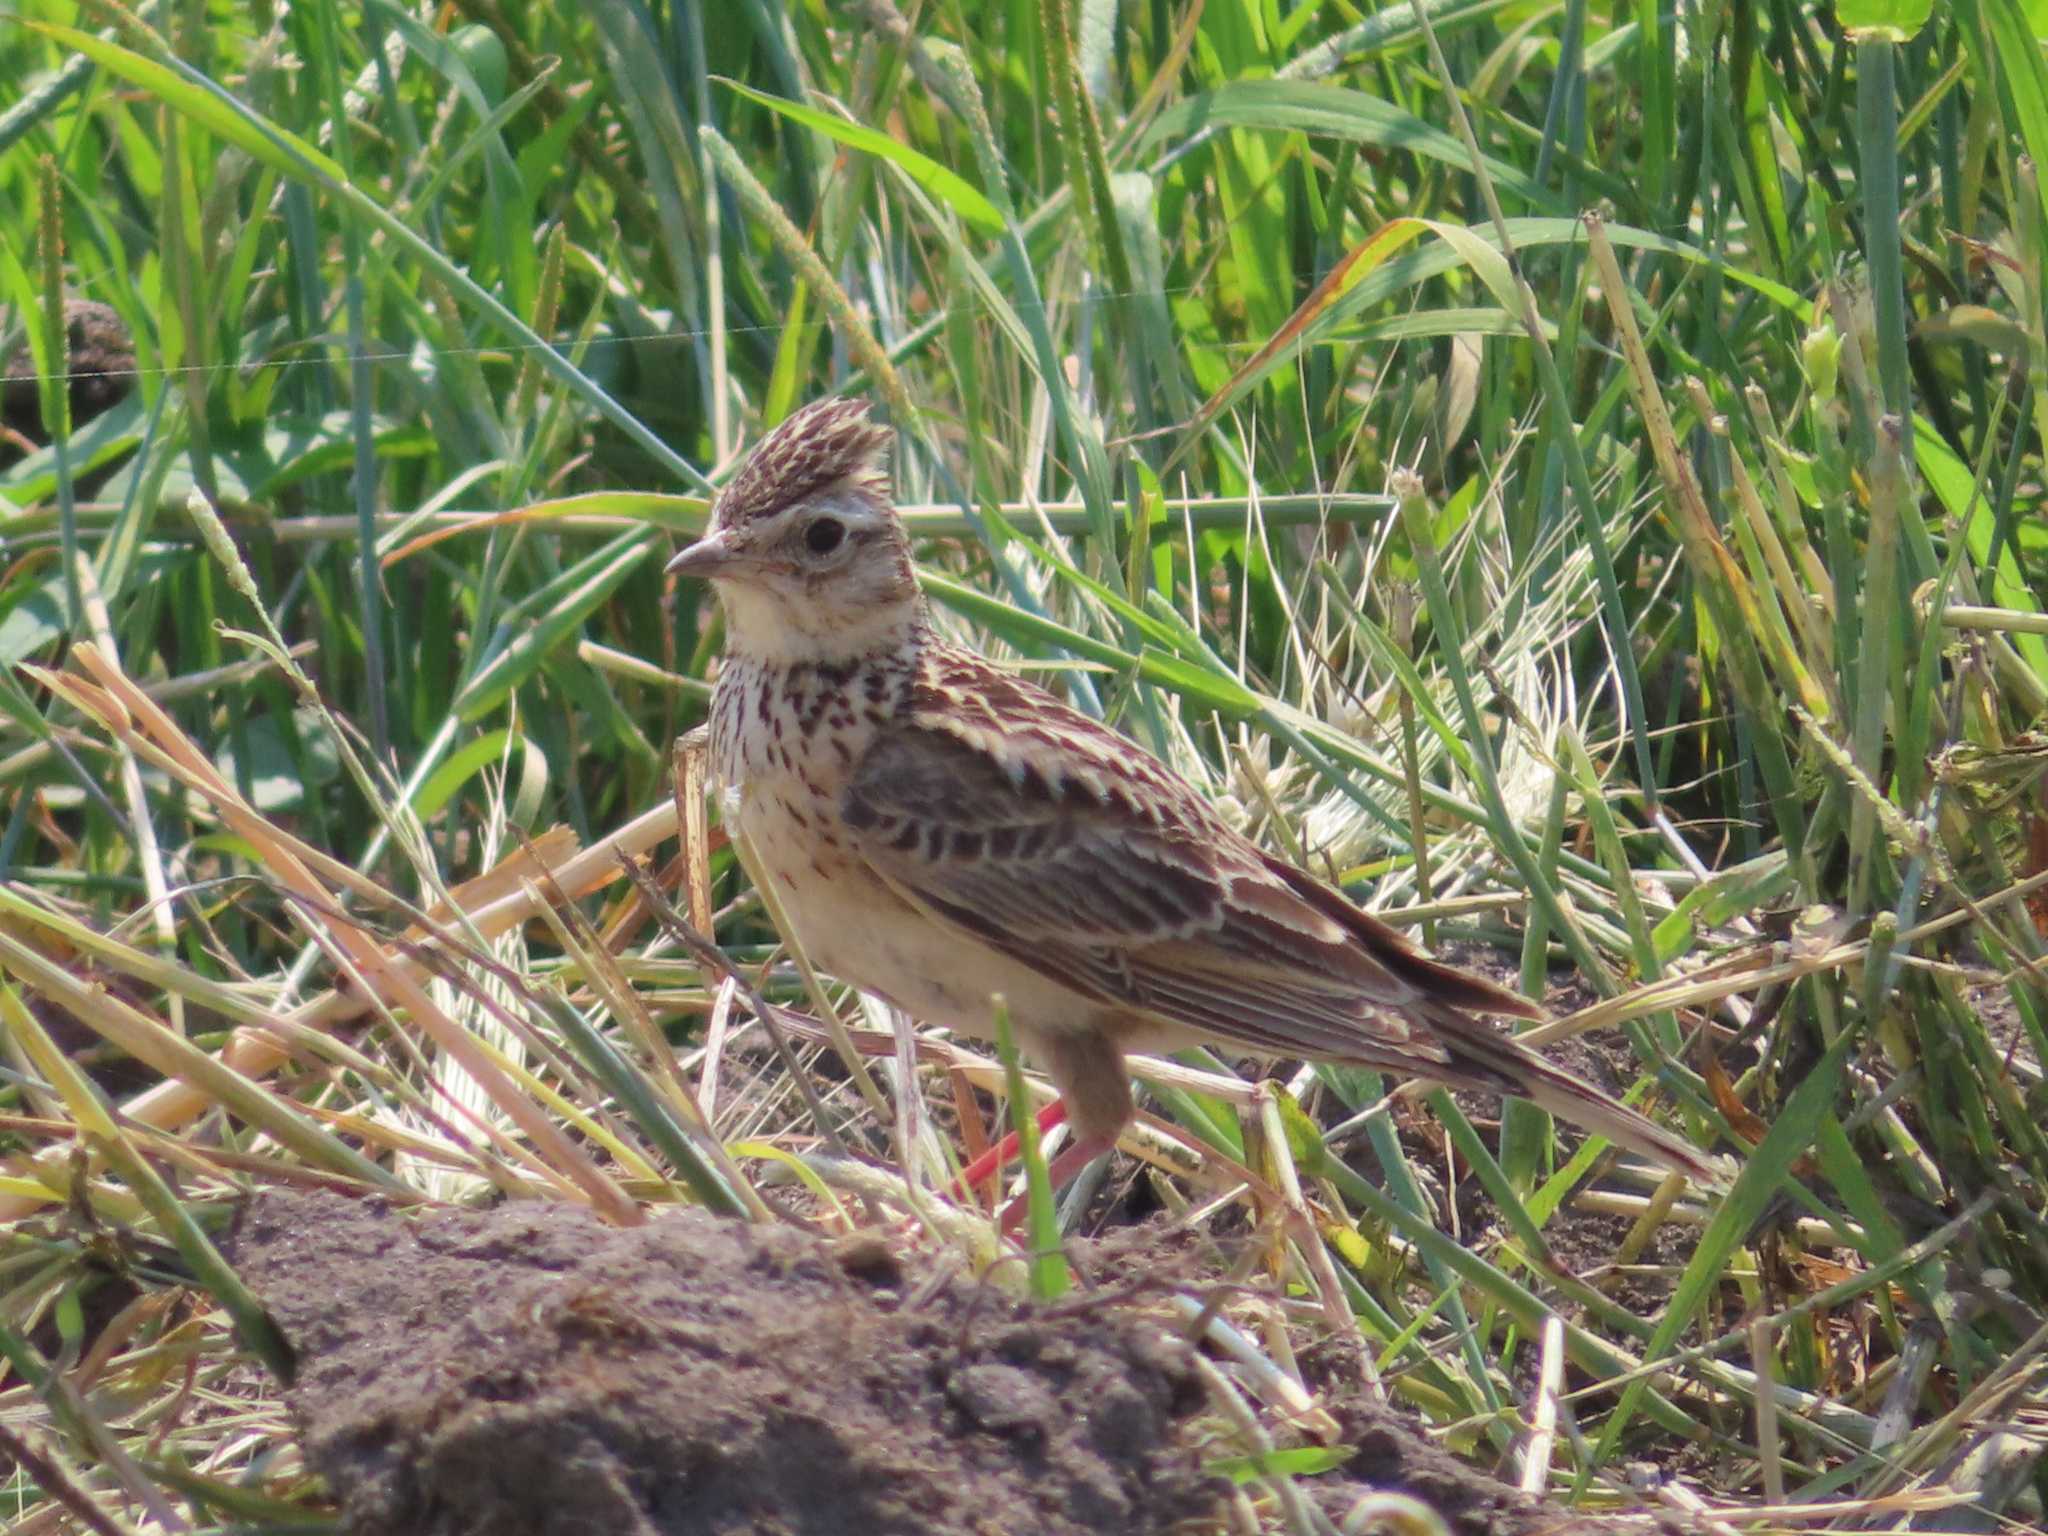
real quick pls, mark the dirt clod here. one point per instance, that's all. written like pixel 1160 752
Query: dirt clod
pixel 529 1371
pixel 100 362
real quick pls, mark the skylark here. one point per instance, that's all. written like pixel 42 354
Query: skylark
pixel 940 831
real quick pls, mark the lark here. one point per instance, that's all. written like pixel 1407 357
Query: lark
pixel 941 832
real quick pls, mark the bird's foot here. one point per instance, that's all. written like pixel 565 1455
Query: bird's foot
pixel 1059 1173
pixel 983 1168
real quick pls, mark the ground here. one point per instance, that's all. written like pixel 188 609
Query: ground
pixel 529 1371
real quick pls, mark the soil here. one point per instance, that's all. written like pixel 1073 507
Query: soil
pixel 530 1371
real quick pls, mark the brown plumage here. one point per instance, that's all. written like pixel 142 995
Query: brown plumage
pixel 939 831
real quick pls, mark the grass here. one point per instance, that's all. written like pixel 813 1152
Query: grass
pixel 1573 477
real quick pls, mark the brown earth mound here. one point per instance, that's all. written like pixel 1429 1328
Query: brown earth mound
pixel 529 1371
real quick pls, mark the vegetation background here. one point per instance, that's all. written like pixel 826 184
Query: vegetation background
pixel 1572 473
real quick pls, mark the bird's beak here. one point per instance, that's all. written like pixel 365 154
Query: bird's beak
pixel 709 556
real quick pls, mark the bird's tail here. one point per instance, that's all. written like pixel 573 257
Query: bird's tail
pixel 1485 1058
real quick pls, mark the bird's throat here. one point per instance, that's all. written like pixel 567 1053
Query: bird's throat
pixel 773 630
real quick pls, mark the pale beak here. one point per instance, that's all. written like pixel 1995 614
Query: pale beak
pixel 709 556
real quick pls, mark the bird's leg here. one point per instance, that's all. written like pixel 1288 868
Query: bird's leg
pixel 1087 1066
pixel 978 1172
pixel 1072 1158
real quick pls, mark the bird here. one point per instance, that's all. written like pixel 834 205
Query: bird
pixel 941 832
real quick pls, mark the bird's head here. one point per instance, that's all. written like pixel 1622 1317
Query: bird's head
pixel 804 544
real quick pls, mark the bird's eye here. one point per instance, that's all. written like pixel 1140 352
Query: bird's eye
pixel 823 536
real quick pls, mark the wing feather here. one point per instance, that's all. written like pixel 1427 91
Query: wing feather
pixel 1048 837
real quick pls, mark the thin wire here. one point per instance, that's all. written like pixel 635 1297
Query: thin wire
pixel 567 343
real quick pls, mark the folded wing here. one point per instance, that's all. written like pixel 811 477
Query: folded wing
pixel 1048 837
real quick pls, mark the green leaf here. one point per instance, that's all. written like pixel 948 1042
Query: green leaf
pixel 461 767
pixel 1330 111
pixel 1048 1265
pixel 35 617
pixel 563 605
pixel 947 186
pixel 1302 1461
pixel 1891 21
pixel 277 779
pixel 2015 38
pixel 269 144
pixel 1747 887
pixel 1304 1137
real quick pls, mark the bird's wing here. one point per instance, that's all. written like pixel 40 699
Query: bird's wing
pixel 1042 834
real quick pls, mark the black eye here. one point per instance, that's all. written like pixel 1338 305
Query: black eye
pixel 823 536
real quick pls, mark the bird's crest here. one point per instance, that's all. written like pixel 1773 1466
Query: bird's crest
pixel 825 442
